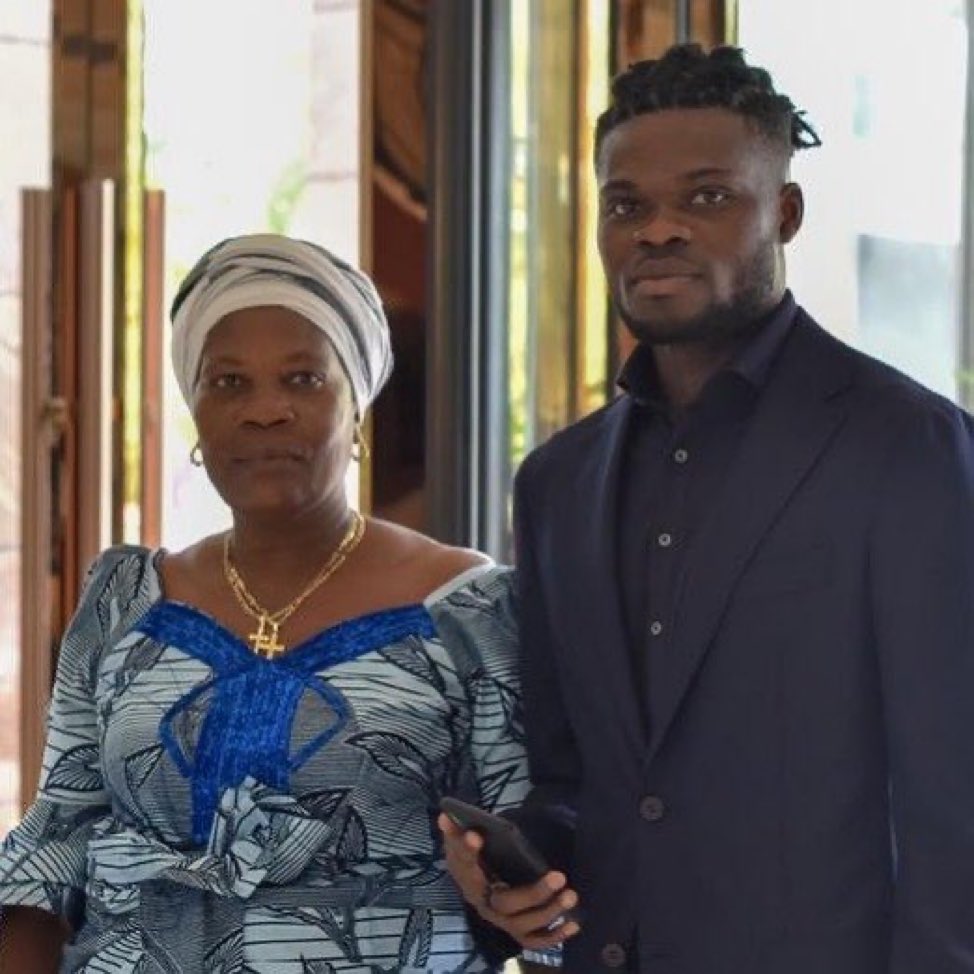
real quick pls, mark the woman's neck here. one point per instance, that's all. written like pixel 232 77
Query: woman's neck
pixel 277 553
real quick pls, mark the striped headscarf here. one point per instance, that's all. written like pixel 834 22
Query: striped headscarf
pixel 269 269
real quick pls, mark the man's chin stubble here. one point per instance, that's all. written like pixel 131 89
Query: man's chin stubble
pixel 720 323
pixel 704 329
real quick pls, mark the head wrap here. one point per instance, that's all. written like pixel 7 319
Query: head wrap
pixel 269 269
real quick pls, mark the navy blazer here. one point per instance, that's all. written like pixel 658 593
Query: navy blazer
pixel 804 803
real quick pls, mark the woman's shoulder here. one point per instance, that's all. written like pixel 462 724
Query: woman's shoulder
pixel 121 584
pixel 118 569
pixel 430 568
pixel 475 621
pixel 467 595
pixel 450 570
pixel 189 574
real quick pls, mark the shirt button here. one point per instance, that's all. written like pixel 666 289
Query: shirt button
pixel 665 540
pixel 655 627
pixel 613 955
pixel 651 808
pixel 681 455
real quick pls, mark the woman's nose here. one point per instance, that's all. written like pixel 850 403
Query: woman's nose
pixel 268 408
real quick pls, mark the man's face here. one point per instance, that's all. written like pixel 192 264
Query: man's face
pixel 693 212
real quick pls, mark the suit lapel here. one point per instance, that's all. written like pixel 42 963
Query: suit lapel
pixel 598 503
pixel 795 418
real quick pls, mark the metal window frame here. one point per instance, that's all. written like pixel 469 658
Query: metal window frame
pixel 683 18
pixel 466 465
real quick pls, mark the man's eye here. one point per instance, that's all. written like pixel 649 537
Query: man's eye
pixel 710 197
pixel 620 209
pixel 227 380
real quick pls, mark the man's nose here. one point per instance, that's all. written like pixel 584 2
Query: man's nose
pixel 661 228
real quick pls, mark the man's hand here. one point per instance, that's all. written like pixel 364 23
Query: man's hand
pixel 525 913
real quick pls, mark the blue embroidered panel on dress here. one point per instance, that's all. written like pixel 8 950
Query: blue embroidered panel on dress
pixel 251 702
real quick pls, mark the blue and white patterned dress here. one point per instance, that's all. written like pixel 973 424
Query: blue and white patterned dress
pixel 202 810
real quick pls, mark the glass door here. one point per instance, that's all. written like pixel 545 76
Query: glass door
pixel 559 359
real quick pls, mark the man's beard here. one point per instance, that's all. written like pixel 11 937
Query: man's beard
pixel 720 322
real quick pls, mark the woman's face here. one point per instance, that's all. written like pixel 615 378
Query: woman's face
pixel 274 412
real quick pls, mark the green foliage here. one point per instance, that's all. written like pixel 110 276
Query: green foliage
pixel 286 195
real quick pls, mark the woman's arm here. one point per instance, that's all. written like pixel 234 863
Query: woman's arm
pixel 31 940
pixel 43 860
pixel 481 630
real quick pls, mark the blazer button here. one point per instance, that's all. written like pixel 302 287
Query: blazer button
pixel 651 808
pixel 613 955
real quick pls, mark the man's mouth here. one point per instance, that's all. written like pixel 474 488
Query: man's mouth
pixel 662 268
pixel 659 286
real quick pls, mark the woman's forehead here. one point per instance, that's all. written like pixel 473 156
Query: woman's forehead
pixel 266 330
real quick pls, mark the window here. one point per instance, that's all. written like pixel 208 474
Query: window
pixel 878 260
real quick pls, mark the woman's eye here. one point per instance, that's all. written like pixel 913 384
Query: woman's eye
pixel 710 197
pixel 226 380
pixel 310 380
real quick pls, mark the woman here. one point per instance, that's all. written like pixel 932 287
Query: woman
pixel 248 739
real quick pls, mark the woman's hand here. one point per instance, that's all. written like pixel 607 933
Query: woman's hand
pixel 525 913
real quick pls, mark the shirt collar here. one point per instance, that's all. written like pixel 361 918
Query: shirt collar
pixel 639 378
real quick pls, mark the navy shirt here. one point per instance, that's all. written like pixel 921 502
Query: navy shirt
pixel 673 470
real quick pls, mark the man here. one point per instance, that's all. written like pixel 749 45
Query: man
pixel 746 593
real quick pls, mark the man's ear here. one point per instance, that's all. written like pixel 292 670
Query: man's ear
pixel 791 211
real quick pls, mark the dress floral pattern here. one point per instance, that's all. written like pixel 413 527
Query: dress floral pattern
pixel 205 810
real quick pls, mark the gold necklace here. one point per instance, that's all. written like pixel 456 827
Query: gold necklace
pixel 265 640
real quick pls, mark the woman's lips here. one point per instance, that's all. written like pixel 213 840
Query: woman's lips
pixel 271 458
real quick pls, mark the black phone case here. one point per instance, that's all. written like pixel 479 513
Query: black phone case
pixel 507 855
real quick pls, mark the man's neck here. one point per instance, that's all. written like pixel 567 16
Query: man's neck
pixel 684 370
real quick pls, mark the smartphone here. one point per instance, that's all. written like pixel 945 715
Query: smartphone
pixel 507 856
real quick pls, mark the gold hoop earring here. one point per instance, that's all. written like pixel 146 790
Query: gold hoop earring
pixel 196 456
pixel 360 448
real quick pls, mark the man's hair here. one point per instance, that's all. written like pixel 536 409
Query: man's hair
pixel 688 77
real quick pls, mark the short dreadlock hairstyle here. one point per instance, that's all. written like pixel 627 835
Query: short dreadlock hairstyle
pixel 688 77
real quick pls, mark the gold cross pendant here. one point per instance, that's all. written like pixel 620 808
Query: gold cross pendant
pixel 265 642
